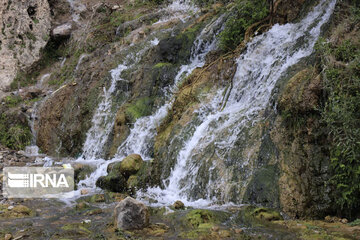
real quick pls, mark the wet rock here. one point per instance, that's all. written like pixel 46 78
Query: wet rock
pixel 261 213
pixel 131 165
pixel 82 206
pixel 179 205
pixel 132 182
pixel 113 182
pixel 82 171
pixel 131 214
pixel 169 49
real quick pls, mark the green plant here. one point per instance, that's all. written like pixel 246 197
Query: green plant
pixel 246 13
pixel 13 135
pixel 341 114
pixel 12 100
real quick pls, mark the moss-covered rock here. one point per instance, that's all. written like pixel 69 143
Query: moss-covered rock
pixel 113 182
pixel 18 211
pixel 131 165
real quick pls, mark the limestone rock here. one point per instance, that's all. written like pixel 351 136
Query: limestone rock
pixel 63 30
pixel 131 214
pixel 26 28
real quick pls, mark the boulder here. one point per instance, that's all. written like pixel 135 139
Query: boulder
pixel 179 205
pixel 131 214
pixel 112 182
pixel 63 30
pixel 131 165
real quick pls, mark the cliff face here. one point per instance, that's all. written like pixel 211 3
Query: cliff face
pixel 25 30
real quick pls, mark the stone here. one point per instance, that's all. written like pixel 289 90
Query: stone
pixel 82 206
pixel 131 214
pixel 344 221
pixel 179 205
pixel 112 182
pixel 84 191
pixel 131 165
pixel 63 30
pixel 8 236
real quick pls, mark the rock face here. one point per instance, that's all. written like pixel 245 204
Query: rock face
pixel 25 31
pixel 131 214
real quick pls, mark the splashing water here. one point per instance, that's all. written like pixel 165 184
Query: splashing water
pixel 267 58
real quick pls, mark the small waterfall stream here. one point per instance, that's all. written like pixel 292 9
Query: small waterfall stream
pixel 141 137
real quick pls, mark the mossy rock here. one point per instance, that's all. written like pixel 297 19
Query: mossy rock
pixel 131 165
pixel 18 211
pixel 82 171
pixel 199 216
pixel 261 213
pixel 142 107
pixel 113 182
pixel 75 229
pixel 132 182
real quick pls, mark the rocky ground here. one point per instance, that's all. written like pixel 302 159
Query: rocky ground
pixel 110 215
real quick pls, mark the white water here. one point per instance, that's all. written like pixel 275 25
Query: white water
pixel 76 7
pixel 141 137
pixel 267 58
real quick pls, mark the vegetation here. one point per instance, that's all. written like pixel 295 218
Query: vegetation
pixel 342 117
pixel 142 107
pixel 246 13
pixel 13 135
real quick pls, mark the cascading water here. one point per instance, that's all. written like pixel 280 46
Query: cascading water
pixel 141 137
pixel 267 58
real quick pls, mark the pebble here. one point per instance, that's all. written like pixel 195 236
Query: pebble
pixel 10 207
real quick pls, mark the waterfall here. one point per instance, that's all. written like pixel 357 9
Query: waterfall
pixel 141 137
pixel 266 59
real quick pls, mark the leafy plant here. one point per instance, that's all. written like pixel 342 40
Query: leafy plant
pixel 342 117
pixel 247 13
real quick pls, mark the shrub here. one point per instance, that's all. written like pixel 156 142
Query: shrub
pixel 342 117
pixel 246 13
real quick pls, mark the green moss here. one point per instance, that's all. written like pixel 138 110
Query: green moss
pixel 162 64
pixel 142 107
pixel 77 228
pixel 196 217
pixel 12 100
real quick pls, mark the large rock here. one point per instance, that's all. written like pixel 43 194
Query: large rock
pixel 112 182
pixel 25 31
pixel 131 214
pixel 131 165
pixel 63 30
